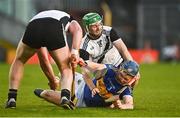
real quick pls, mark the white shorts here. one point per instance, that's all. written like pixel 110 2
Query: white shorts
pixel 79 89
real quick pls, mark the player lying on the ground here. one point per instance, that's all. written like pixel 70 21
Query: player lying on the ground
pixel 111 87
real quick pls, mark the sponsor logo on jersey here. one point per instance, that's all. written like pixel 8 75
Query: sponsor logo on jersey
pixel 100 43
pixel 92 48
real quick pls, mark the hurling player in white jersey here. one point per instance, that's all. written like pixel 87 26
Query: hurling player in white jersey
pixel 47 29
pixel 101 44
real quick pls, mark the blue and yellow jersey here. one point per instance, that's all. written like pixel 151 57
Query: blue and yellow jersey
pixel 108 86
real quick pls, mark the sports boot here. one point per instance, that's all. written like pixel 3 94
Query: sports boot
pixel 11 103
pixel 38 92
pixel 67 104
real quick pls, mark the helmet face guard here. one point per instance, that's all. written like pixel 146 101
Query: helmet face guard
pixel 90 19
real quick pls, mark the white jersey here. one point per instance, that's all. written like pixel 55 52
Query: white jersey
pixel 102 49
pixel 79 89
pixel 55 14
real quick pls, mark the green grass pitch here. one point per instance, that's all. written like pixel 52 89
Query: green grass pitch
pixel 157 95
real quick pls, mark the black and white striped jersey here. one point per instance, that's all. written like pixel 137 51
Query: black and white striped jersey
pixel 102 49
pixel 61 16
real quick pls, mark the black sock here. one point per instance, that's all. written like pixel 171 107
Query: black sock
pixel 65 93
pixel 12 94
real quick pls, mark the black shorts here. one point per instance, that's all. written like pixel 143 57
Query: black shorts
pixel 44 32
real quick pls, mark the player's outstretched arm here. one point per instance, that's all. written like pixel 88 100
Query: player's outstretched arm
pixel 119 44
pixel 87 78
pixel 126 103
pixel 91 66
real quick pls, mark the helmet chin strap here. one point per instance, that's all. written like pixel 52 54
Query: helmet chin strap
pixel 132 81
pixel 87 30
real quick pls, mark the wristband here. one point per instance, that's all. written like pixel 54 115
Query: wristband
pixel 74 51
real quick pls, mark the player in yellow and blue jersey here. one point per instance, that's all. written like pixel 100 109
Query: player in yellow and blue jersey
pixel 111 87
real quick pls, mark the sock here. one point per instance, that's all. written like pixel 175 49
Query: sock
pixel 65 93
pixel 12 94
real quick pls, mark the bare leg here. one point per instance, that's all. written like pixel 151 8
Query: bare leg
pixel 23 53
pixel 51 96
pixel 61 57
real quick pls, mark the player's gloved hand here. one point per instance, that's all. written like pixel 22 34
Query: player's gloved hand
pixel 116 104
pixel 82 63
pixel 74 58
pixel 74 61
pixel 94 91
pixel 54 85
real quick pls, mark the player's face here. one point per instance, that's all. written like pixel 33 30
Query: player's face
pixel 123 77
pixel 95 30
